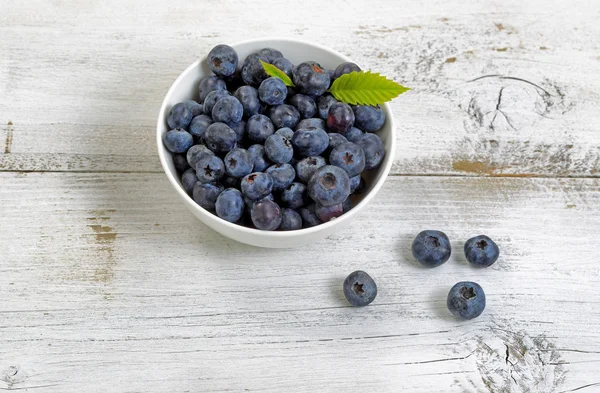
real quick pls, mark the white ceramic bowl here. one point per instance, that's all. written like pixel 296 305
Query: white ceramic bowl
pixel 186 87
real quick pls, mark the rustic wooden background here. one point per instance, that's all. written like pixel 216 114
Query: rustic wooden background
pixel 108 284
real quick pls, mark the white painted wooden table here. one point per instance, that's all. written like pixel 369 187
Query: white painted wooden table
pixel 107 283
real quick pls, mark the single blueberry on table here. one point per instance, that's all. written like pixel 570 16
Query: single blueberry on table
pixel 305 105
pixel 195 153
pixel 290 220
pixel 180 162
pixel 284 65
pixel 199 125
pixel 286 132
pixel 248 97
pixel 270 54
pixel 340 118
pixel 212 98
pixel 253 72
pixel 294 196
pixel 313 122
pixel 309 218
pixel 239 129
pixel 206 194
pixel 266 215
pixel 348 156
pixel 307 167
pixel 222 60
pixel 178 140
pixel 324 102
pixel 209 168
pixel 359 289
pixel 481 251
pixel 374 150
pixel 345 68
pixel 279 149
pixel 328 213
pixel 208 84
pixel 228 110
pixel 180 116
pixel 239 163
pixel 259 128
pixel 431 248
pixel 257 185
pixel 188 179
pixel 466 300
pixel 194 107
pixel 272 91
pixel 311 78
pixel 284 116
pixel 261 162
pixel 230 205
pixel 335 139
pixel 220 138
pixel 283 175
pixel 354 134
pixel 329 186
pixel 310 142
pixel 369 118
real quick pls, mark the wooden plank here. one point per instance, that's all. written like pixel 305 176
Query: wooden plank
pixel 109 284
pixel 82 85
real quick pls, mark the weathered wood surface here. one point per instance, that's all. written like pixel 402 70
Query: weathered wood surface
pixel 108 284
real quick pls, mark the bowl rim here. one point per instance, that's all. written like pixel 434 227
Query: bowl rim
pixel 162 153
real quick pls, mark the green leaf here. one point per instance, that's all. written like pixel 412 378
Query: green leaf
pixel 365 88
pixel 271 70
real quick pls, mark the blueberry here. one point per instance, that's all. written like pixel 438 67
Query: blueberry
pixel 212 98
pixel 310 141
pixel 257 185
pixel 328 213
pixel 248 97
pixel 180 162
pixel 250 202
pixel 266 215
pixel 481 251
pixel 284 116
pixel 209 168
pixel 234 81
pixel 222 60
pixel 258 154
pixel 230 205
pixel 238 163
pixel 466 300
pixel 307 167
pixel 309 218
pixel 373 149
pixel 259 128
pixel 178 140
pixel 347 205
pixel 304 104
pixel 357 184
pixel 206 194
pixel 253 72
pixel 354 134
pixel 331 75
pixel 284 65
pixel 195 153
pixel 208 84
pixel 369 118
pixel 329 186
pixel 340 118
pixel 311 78
pixel 324 103
pixel 188 179
pixel 272 91
pixel 335 139
pixel 230 181
pixel 313 122
pixel 359 288
pixel 198 127
pixel 286 132
pixel 194 107
pixel 220 138
pixel 228 110
pixel 294 196
pixel 180 116
pixel 290 220
pixel 239 129
pixel 345 68
pixel 283 175
pixel 270 54
pixel 348 156
pixel 279 149
pixel 431 248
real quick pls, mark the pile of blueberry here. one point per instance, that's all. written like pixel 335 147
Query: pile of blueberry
pixel 259 153
pixel 432 248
